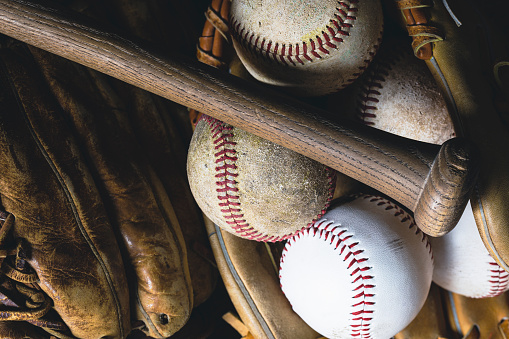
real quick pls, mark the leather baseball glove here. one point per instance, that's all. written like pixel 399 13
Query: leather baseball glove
pixel 465 46
pixel 132 150
pixel 62 269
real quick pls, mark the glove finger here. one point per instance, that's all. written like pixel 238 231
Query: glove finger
pixel 484 314
pixel 249 273
pixel 158 134
pixel 164 133
pixel 139 207
pixel 46 185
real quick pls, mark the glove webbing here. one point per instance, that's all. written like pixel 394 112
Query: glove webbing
pixel 419 28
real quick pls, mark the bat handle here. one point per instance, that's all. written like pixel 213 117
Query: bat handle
pixel 447 187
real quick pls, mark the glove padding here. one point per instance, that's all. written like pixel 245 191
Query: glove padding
pixel 47 185
pixel 140 211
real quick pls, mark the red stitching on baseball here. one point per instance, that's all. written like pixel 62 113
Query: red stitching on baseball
pixel 229 202
pixel 373 83
pixel 367 62
pixel 336 28
pixel 357 265
pixel 499 280
pixel 403 216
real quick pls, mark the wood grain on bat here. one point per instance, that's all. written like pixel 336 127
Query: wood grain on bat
pixel 391 164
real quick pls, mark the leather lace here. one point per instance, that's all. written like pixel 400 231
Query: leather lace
pixel 21 298
pixel 423 33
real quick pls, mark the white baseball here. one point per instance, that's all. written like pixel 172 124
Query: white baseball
pixel 398 94
pixel 362 271
pixel 312 47
pixel 463 265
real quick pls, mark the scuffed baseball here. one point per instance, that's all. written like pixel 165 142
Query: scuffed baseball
pixel 398 94
pixel 252 187
pixel 362 271
pixel 463 265
pixel 310 48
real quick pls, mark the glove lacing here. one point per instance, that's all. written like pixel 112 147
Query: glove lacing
pixel 20 294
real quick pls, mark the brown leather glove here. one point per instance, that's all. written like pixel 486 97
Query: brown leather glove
pixel 136 195
pixel 140 211
pixel 466 49
pixel 67 266
pixel 478 318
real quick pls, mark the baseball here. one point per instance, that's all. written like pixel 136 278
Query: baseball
pixel 310 48
pixel 398 94
pixel 252 187
pixel 362 271
pixel 463 264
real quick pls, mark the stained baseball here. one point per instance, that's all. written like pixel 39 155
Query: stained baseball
pixel 310 48
pixel 463 265
pixel 362 271
pixel 398 94
pixel 252 187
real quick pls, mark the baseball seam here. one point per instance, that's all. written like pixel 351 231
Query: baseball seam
pixel 357 265
pixel 305 51
pixel 372 84
pixel 226 174
pixel 404 217
pixel 498 280
pixel 367 62
pixel 348 246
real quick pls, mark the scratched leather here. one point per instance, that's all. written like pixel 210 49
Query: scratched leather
pixel 20 330
pixel 163 129
pixel 257 276
pixel 47 185
pixel 140 210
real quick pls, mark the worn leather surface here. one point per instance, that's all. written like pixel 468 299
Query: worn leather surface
pixel 161 126
pixel 252 282
pixel 21 330
pixel 477 318
pixel 165 146
pixel 47 185
pixel 466 58
pixel 141 212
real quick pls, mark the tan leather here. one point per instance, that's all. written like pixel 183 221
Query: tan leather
pixel 250 274
pixel 47 185
pixel 21 330
pixel 139 208
pixel 161 127
pixel 468 316
pixel 463 65
pixel 431 321
pixel 164 143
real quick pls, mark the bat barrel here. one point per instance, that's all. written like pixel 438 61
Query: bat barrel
pixel 447 188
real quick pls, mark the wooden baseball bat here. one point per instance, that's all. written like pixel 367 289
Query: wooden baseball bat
pixel 432 181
